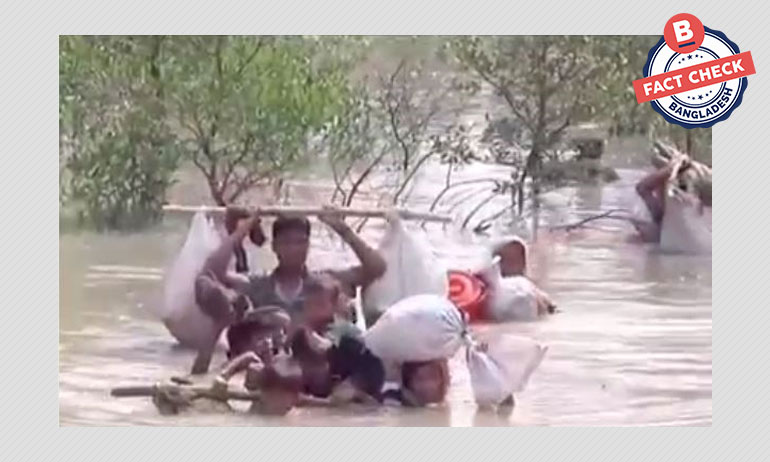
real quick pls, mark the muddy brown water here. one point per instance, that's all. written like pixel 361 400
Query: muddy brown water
pixel 631 344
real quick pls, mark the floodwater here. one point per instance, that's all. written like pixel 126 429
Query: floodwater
pixel 631 344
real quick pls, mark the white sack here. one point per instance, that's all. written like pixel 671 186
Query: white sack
pixel 511 298
pixel 181 315
pixel 428 327
pixel 417 328
pixel 684 228
pixel 504 369
pixel 412 269
pixel 487 380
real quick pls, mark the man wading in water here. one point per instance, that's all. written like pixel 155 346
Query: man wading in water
pixel 652 190
pixel 225 295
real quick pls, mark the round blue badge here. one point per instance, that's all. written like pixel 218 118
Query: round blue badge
pixel 705 106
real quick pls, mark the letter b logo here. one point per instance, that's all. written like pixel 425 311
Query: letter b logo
pixel 682 30
pixel 684 33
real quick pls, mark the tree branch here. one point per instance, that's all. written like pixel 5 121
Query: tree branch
pixel 455 185
pixel 363 176
pixel 571 226
pixel 477 208
pixel 250 58
pixel 245 183
pixel 411 174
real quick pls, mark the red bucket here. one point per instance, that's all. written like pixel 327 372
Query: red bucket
pixel 469 293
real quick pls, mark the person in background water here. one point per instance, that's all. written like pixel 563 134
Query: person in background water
pixel 223 294
pixel 652 189
pixel 513 262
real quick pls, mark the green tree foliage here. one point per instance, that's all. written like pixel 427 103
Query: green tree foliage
pixel 551 82
pixel 546 81
pixel 244 108
pixel 624 57
pixel 241 109
pixel 118 155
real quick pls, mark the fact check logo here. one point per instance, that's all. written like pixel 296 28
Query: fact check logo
pixel 694 76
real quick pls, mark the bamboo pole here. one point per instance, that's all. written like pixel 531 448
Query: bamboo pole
pixel 170 397
pixel 185 392
pixel 299 210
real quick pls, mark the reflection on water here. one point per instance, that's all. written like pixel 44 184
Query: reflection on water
pixel 631 345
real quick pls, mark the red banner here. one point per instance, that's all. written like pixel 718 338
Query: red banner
pixel 693 77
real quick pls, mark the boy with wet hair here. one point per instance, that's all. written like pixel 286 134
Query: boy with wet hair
pixel 261 331
pixel 257 339
pixel 257 345
pixel 335 362
pixel 422 383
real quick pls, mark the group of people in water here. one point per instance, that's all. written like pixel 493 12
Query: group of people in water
pixel 293 331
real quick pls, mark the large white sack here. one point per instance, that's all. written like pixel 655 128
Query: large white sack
pixel 685 229
pixel 412 269
pixel 181 315
pixel 504 368
pixel 511 298
pixel 418 328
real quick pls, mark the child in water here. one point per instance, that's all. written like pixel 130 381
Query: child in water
pixel 337 365
pixel 422 383
pixel 256 345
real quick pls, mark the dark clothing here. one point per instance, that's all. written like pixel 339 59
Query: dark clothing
pixel 351 359
pixel 397 395
pixel 347 359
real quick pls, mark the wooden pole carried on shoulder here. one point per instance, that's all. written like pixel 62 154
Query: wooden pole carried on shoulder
pixel 405 214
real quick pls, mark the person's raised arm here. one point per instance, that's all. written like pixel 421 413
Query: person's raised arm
pixel 651 188
pixel 238 364
pixel 372 264
pixel 216 264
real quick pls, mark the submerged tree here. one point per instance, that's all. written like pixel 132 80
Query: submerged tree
pixel 117 155
pixel 624 58
pixel 401 116
pixel 245 107
pixel 546 82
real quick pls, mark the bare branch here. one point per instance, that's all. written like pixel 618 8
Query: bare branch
pixel 449 187
pixel 368 170
pixel 337 183
pixel 393 113
pixel 232 164
pixel 245 183
pixel 477 208
pixel 411 174
pixel 609 215
pixel 496 215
